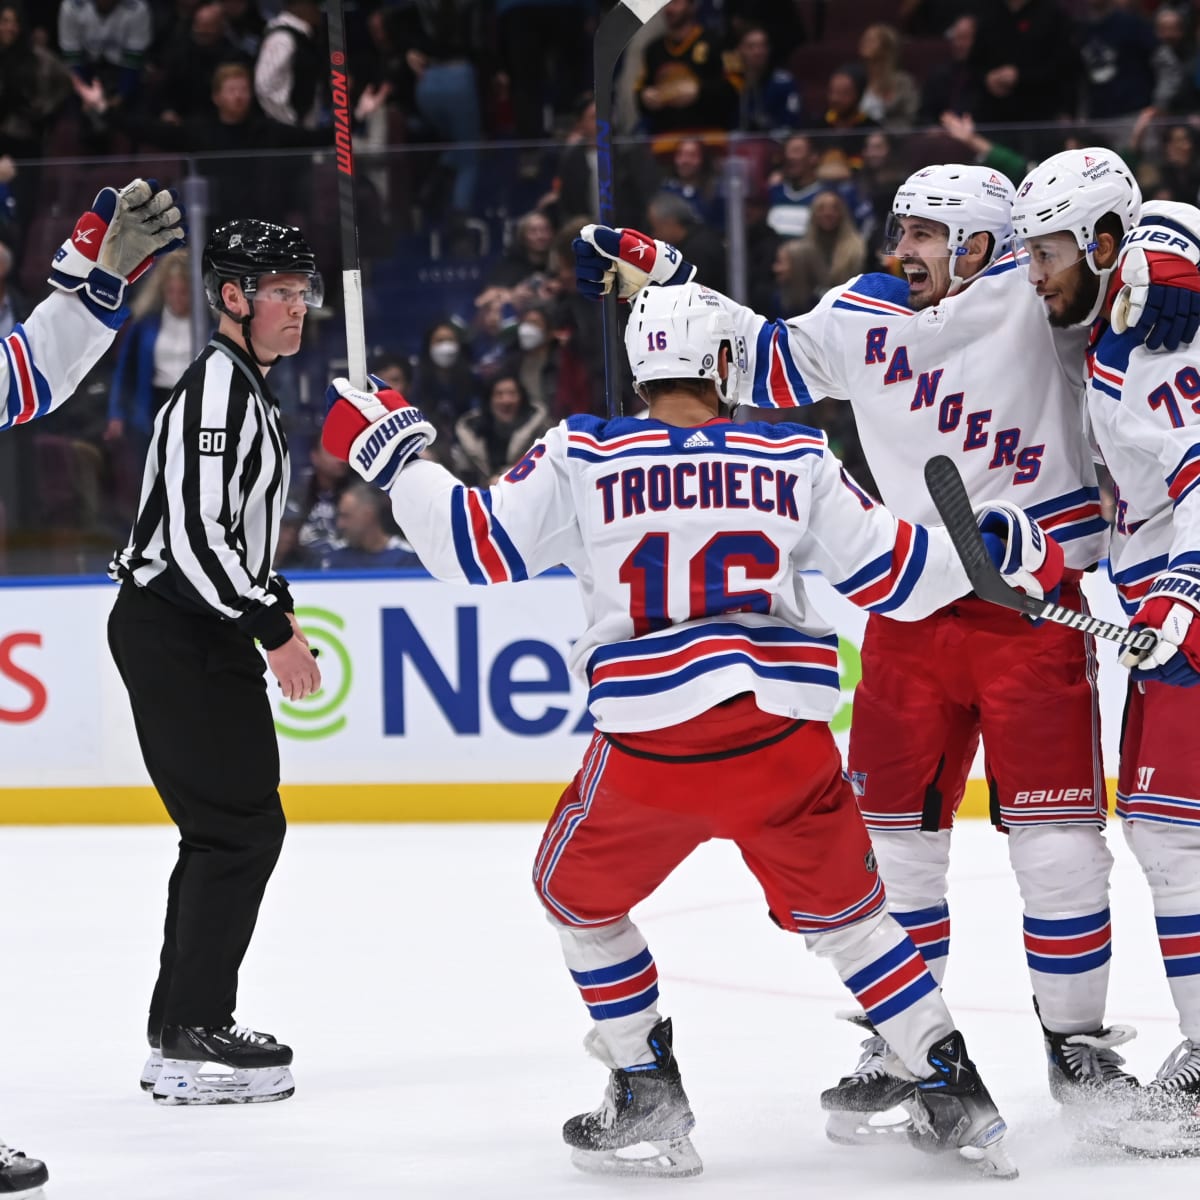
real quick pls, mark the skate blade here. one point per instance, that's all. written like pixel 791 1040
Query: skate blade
pixel 984 1151
pixel 1157 1139
pixel 673 1159
pixel 847 1128
pixel 992 1162
pixel 212 1083
pixel 24 1193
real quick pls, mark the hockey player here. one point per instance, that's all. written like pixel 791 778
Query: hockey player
pixel 47 355
pixel 957 358
pixel 1072 212
pixel 712 682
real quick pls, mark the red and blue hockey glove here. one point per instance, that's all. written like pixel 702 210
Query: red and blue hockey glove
pixel 1169 609
pixel 1160 294
pixel 116 242
pixel 376 432
pixel 603 254
pixel 1028 559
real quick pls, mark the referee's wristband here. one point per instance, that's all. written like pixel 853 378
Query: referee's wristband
pixel 271 626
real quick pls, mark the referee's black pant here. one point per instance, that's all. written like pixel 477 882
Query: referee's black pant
pixel 207 735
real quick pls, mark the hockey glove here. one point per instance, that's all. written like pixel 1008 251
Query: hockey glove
pixel 376 432
pixel 1169 609
pixel 632 258
pixel 1159 298
pixel 116 241
pixel 1028 559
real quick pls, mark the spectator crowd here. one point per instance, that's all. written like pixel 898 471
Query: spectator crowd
pixel 476 133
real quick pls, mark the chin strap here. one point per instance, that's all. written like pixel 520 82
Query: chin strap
pixel 1104 274
pixel 245 324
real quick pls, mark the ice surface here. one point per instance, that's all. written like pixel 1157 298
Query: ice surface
pixel 438 1036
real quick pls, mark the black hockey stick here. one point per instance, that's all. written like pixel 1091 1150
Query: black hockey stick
pixel 954 507
pixel 352 304
pixel 614 34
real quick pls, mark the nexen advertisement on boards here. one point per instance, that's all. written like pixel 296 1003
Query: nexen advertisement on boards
pixel 424 683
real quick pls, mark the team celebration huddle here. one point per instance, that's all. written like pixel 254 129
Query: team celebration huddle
pixel 1040 335
pixel 1018 344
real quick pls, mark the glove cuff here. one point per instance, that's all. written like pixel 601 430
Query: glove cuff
pixel 684 273
pixel 106 290
pixel 1159 233
pixel 1180 584
pixel 112 318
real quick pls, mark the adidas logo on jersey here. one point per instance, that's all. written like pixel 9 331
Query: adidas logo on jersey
pixel 698 441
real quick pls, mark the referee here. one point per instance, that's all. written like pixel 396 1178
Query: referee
pixel 197 592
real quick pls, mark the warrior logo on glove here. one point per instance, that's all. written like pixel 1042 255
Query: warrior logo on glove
pixel 382 433
pixel 376 431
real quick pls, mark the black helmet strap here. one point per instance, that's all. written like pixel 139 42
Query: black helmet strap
pixel 244 322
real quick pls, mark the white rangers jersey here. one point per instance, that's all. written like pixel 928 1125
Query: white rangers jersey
pixel 981 377
pixel 686 544
pixel 1145 414
pixel 46 356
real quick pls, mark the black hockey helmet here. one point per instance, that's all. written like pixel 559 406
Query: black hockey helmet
pixel 240 251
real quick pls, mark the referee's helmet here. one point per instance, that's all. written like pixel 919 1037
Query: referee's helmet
pixel 240 251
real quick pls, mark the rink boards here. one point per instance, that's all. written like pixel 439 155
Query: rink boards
pixel 439 702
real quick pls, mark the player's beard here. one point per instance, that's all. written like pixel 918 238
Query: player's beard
pixel 1082 301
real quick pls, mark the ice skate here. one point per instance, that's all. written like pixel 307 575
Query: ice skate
pixel 642 1126
pixel 20 1176
pixel 222 1066
pixel 152 1067
pixel 1165 1121
pixel 865 1108
pixel 1084 1068
pixel 953 1111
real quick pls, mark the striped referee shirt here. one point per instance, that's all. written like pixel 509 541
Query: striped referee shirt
pixel 213 495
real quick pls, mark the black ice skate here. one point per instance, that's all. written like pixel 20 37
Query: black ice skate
pixel 152 1067
pixel 952 1110
pixel 1165 1122
pixel 232 1065
pixel 870 1091
pixel 20 1176
pixel 1084 1068
pixel 642 1126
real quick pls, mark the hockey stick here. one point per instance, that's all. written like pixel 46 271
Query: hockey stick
pixel 352 303
pixel 614 34
pixel 954 507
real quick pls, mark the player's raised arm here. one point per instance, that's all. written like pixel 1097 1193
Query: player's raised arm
pixel 522 526
pixel 782 364
pixel 113 244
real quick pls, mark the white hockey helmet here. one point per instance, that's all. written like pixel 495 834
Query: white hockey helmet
pixel 966 199
pixel 678 333
pixel 1071 191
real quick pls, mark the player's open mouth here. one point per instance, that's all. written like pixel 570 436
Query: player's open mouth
pixel 917 276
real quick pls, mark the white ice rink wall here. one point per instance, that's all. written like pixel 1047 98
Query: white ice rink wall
pixel 439 702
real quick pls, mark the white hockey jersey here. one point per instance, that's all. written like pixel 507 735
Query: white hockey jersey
pixel 686 544
pixel 981 377
pixel 46 357
pixel 1145 414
